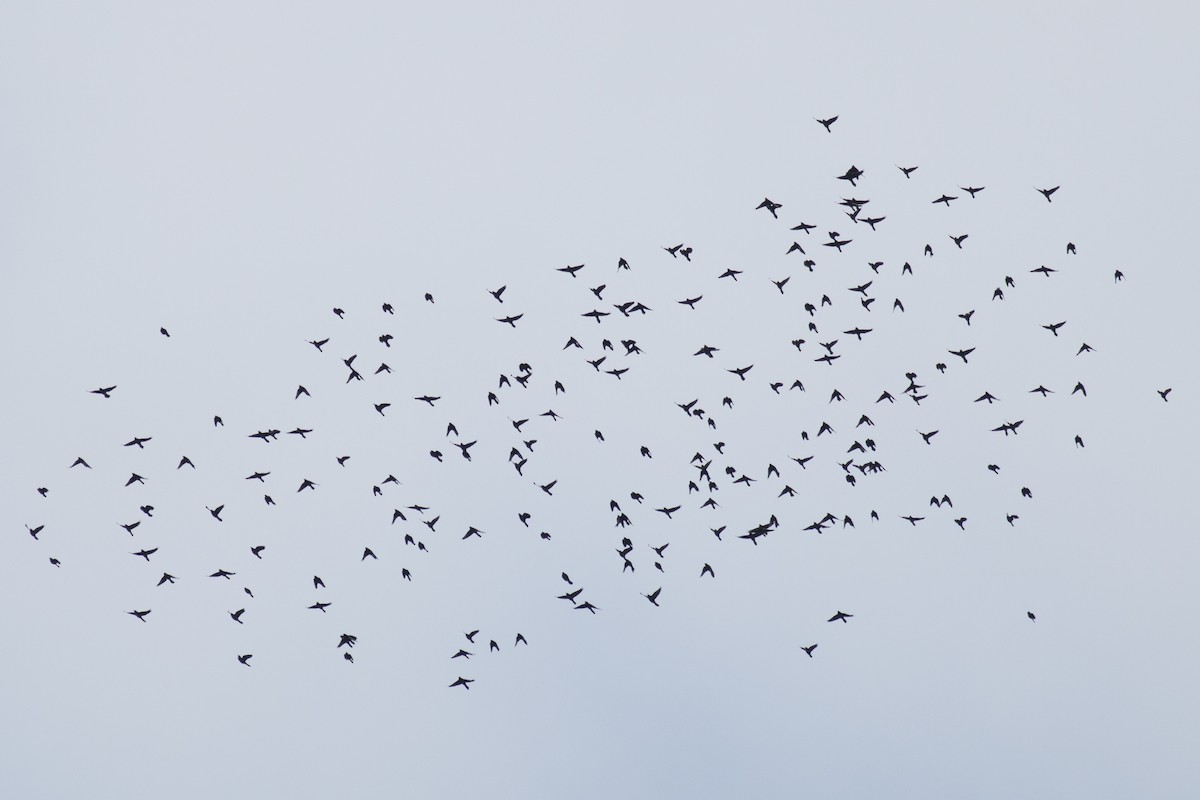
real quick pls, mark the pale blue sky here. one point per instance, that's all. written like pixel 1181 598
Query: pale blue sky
pixel 233 172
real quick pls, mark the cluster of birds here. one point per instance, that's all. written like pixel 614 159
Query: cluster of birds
pixel 851 456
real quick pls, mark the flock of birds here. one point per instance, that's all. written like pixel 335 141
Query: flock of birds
pixel 833 330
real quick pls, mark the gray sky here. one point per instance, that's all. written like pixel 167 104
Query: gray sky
pixel 232 173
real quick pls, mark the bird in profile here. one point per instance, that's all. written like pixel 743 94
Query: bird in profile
pixel 512 320
pixel 809 650
pixel 770 206
pixel 1163 393
pixel 245 659
pixel 139 614
pixel 1053 328
pixel 828 124
pixel 908 171
pixel 104 391
pixel 841 615
pixel 463 682
pixel 320 607
pixel 1047 192
pixel 216 512
pixel 1031 615
pixel 236 616
pixel 653 596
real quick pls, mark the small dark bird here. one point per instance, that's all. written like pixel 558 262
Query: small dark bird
pixel 828 124
pixel 908 171
pixel 1031 615
pixel 1163 393
pixel 841 615
pixel 139 614
pixel 770 206
pixel 811 647
pixel 1047 192
pixel 163 331
pixel 463 682
pixel 236 616
pixel 103 391
pixel 245 659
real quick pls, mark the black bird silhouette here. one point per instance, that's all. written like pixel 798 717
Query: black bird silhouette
pixel 828 124
pixel 770 206
pixel 841 615
pixel 463 682
pixel 139 614
pixel 571 270
pixel 236 616
pixel 1031 615
pixel 653 596
pixel 1047 192
pixel 511 320
pixel 809 649
pixel 79 462
pixel 1163 393
pixel 216 512
pixel 972 190
pixel 741 371
pixel 245 659
pixel 103 391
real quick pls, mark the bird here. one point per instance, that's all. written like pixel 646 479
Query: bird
pixel 1053 328
pixel 216 512
pixel 139 614
pixel 809 649
pixel 236 616
pixel 653 596
pixel 245 659
pixel 828 123
pixel 463 682
pixel 841 615
pixel 1031 615
pixel 771 206
pixel 1163 393
pixel 1047 192
pixel 320 607
pixel 908 171
pixel 104 391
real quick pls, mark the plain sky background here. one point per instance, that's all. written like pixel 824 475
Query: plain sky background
pixel 233 171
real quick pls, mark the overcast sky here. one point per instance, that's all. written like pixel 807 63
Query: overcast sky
pixel 232 173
